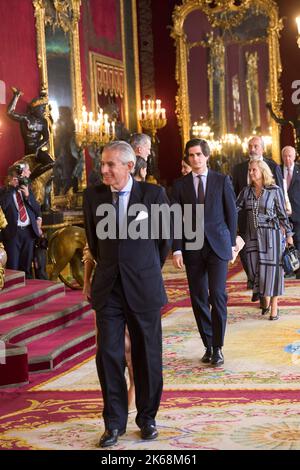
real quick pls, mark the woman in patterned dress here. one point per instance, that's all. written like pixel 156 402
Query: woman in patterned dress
pixel 268 229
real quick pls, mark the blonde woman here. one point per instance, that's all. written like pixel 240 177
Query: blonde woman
pixel 267 230
pixel 89 264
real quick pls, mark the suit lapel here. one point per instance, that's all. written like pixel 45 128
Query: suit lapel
pixel 296 174
pixel 208 192
pixel 136 197
pixel 189 189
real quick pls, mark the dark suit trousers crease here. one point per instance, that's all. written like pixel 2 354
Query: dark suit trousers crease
pixel 207 277
pixel 146 350
pixel 19 250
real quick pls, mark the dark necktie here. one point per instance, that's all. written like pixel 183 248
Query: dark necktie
pixel 289 177
pixel 21 206
pixel 201 196
pixel 118 199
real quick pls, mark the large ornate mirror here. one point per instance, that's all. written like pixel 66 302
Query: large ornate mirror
pixel 59 64
pixel 228 67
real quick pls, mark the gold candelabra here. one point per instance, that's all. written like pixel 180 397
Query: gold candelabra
pixel 152 117
pixel 89 131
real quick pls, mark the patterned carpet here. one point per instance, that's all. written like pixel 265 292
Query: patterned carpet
pixel 251 403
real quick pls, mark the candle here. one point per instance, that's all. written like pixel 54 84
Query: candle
pixel 84 115
pixel 298 23
pixel 163 113
pixel 144 105
pixel 113 125
pixel 76 125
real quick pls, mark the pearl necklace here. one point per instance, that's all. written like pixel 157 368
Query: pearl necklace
pixel 255 208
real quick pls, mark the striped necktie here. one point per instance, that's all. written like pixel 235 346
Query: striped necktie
pixel 21 206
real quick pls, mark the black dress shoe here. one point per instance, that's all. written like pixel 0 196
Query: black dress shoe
pixel 148 432
pixel 207 356
pixel 217 357
pixel 110 437
pixel 255 297
pixel 265 310
pixel 276 317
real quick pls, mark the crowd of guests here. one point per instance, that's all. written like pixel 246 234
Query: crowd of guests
pixel 123 280
pixel 127 291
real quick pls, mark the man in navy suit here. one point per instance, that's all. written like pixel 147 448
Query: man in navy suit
pixel 240 179
pixel 291 173
pixel 127 288
pixel 23 216
pixel 206 266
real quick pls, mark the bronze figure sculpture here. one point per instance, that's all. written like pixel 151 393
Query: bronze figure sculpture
pixel 36 136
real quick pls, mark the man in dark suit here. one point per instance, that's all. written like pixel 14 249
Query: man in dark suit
pixel 206 267
pixel 291 174
pixel 23 216
pixel 240 179
pixel 127 288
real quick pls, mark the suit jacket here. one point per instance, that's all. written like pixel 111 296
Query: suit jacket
pixel 11 213
pixel 220 214
pixel 239 179
pixel 138 261
pixel 294 196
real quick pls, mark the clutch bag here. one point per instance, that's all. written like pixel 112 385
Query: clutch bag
pixel 290 260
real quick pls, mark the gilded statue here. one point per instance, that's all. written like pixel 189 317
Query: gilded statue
pixel 66 247
pixel 35 131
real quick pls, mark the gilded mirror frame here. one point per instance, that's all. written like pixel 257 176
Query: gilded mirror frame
pixel 180 13
pixel 69 24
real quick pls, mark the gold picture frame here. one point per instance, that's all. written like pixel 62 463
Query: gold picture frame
pixel 180 13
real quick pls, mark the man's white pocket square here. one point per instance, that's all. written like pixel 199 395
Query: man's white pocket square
pixel 141 216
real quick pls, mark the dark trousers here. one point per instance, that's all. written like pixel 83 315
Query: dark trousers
pixel 19 250
pixel 207 284
pixel 146 349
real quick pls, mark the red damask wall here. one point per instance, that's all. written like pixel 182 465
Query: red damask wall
pixel 18 67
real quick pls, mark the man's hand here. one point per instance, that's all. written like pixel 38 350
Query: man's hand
pixel 25 191
pixel 178 261
pixel 289 240
pixel 87 290
pixel 39 226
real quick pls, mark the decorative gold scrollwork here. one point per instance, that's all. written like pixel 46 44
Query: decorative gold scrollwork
pixel 226 14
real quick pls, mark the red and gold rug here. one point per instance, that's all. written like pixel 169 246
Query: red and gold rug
pixel 252 402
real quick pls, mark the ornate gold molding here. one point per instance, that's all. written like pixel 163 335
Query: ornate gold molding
pixel 124 60
pixel 222 15
pixel 136 63
pixel 39 13
pixel 64 14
